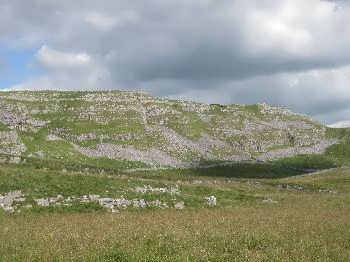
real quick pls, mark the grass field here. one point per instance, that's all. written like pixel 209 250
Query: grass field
pixel 291 218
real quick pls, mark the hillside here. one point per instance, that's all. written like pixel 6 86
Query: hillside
pixel 132 130
pixel 123 176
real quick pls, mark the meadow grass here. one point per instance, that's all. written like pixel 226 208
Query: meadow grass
pixel 3 127
pixel 236 234
pixel 297 225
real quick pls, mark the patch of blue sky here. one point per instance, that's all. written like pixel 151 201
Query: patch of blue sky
pixel 16 66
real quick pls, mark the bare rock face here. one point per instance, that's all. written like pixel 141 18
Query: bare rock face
pixel 202 146
pixel 10 118
pixel 135 126
pixel 293 151
pixel 152 156
pixel 11 144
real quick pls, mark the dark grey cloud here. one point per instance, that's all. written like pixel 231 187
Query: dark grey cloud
pixel 294 53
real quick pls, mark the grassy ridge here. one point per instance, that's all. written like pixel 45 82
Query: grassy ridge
pixel 125 118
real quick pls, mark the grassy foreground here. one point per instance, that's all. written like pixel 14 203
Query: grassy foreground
pixel 303 218
pixel 238 234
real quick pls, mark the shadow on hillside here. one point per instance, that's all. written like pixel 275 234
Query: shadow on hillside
pixel 249 170
pixel 269 170
pixel 277 169
pixel 236 170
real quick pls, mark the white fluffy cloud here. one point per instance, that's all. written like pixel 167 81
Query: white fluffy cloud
pixel 57 59
pixel 340 124
pixel 288 52
pixel 67 71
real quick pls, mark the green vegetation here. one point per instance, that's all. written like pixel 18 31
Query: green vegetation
pixel 253 109
pixel 292 209
pixel 238 170
pixel 131 119
pixel 3 127
pixel 307 163
pixel 255 220
pixel 56 153
pixel 339 153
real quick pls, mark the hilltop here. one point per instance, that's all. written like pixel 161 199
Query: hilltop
pixel 124 176
pixel 132 130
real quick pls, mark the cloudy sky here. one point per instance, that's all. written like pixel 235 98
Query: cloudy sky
pixel 294 53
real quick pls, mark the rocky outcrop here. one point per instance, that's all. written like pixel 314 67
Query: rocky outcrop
pixel 153 156
pixel 293 151
pixel 7 200
pixel 11 144
pixel 135 126
pixel 203 146
pixel 15 201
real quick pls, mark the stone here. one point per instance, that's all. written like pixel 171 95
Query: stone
pixel 327 190
pixel 20 199
pixel 52 137
pixel 139 203
pixel 147 188
pixel 210 201
pixel 180 205
pixel 142 203
pixel 269 201
pixel 8 199
pixel 9 209
pixel 59 197
pixel 94 197
pixel 42 202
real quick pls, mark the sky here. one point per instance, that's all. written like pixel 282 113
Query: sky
pixel 292 53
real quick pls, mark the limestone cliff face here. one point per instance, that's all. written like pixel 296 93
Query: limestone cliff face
pixel 134 126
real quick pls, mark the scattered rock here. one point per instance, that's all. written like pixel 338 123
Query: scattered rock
pixel 52 137
pixel 11 144
pixel 147 188
pixel 269 201
pixel 8 199
pixel 139 203
pixel 327 190
pixel 42 202
pixel 210 201
pixel 180 205
pixel 292 187
pixel 255 184
pixel 9 209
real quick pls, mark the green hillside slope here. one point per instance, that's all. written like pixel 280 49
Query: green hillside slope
pixel 127 130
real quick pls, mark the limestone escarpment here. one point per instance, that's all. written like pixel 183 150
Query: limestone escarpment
pixel 134 126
